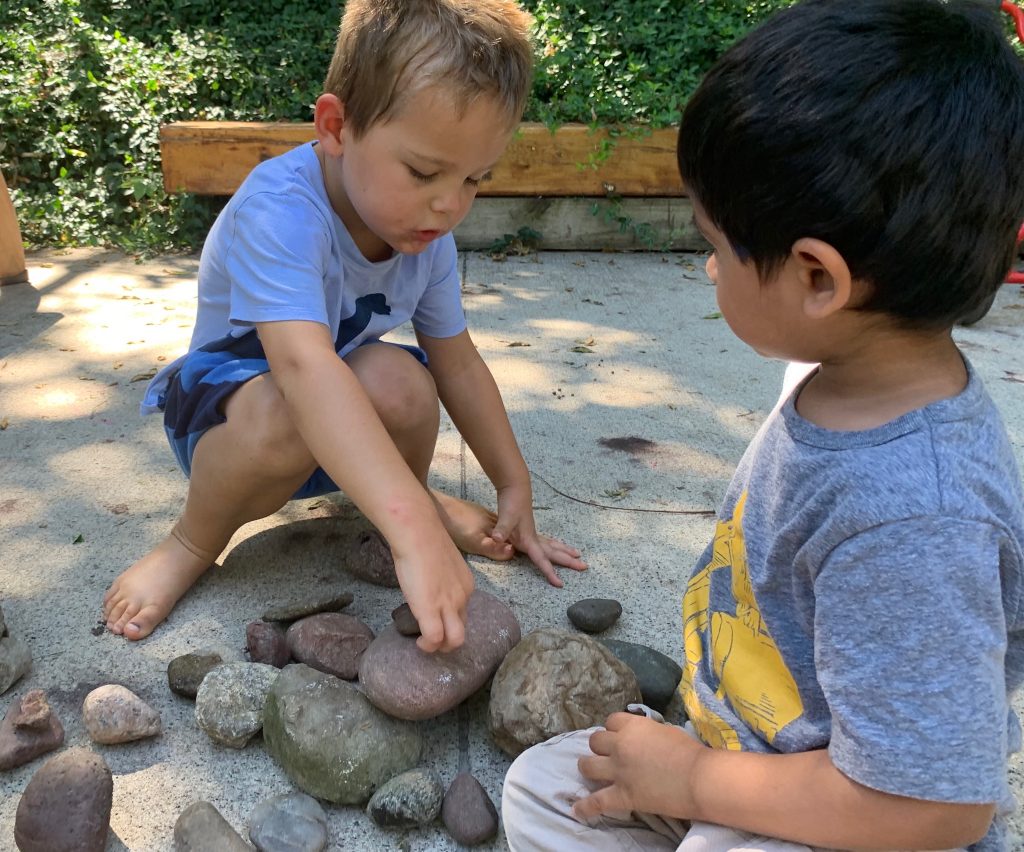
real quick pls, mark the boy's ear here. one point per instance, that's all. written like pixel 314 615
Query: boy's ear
pixel 825 278
pixel 329 121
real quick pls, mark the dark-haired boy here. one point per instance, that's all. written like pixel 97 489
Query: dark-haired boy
pixel 854 630
pixel 287 389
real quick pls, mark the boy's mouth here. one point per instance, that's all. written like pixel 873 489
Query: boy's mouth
pixel 427 236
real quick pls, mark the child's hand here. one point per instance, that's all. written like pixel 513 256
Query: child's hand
pixel 437 584
pixel 515 526
pixel 648 766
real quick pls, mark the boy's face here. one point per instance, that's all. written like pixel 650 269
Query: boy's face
pixel 408 181
pixel 763 314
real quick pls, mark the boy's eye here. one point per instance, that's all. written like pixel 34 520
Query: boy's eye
pixel 420 176
pixel 479 180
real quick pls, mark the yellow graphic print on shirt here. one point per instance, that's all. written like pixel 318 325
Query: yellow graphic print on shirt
pixel 752 676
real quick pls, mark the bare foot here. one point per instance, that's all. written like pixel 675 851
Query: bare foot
pixel 469 525
pixel 143 596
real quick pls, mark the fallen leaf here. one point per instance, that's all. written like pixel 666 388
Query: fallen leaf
pixel 1012 377
pixel 144 376
pixel 78 539
pixel 86 379
pixel 161 357
pixel 581 349
pixel 713 315
pixel 517 343
pixel 118 365
pixel 119 509
pixel 589 341
pixel 4 423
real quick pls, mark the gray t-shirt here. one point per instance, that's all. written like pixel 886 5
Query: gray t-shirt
pixel 863 593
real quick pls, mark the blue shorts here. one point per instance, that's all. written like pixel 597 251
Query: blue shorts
pixel 196 393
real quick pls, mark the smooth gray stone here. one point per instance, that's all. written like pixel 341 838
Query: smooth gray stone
pixel 594 615
pixel 15 661
pixel 201 828
pixel 657 674
pixel 552 682
pixel 290 822
pixel 330 740
pixel 407 800
pixel 295 610
pixel 66 805
pixel 229 704
pixel 468 812
pixel 186 673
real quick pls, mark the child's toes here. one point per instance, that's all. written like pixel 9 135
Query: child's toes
pixel 142 623
pixel 120 616
pixel 498 550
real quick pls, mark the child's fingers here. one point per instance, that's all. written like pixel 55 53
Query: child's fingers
pixel 431 632
pixel 536 553
pixel 454 630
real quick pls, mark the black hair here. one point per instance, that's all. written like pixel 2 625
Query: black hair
pixel 891 129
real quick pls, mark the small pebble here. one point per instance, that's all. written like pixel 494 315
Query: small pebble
pixel 405 621
pixel 300 609
pixel 291 822
pixel 201 828
pixel 594 615
pixel 186 673
pixel 407 800
pixel 468 812
pixel 114 714
pixel 266 643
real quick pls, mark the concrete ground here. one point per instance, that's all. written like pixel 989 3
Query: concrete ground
pixel 87 487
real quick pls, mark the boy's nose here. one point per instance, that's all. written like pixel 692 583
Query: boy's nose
pixel 447 202
pixel 712 268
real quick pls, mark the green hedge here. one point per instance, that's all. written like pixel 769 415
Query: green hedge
pixel 86 84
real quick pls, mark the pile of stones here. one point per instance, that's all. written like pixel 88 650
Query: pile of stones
pixel 337 741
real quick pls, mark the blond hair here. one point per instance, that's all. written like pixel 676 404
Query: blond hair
pixel 388 50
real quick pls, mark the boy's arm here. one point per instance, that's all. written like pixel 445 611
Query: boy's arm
pixel 801 797
pixel 337 421
pixel 469 394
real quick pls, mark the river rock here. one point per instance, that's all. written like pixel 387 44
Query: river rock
pixel 594 615
pixel 185 673
pixel 201 828
pixel 229 704
pixel 657 675
pixel 405 621
pixel 295 610
pixel 468 812
pixel 330 740
pixel 330 642
pixel 371 560
pixel 15 661
pixel 30 728
pixel 291 822
pixel 408 683
pixel 407 800
pixel 66 805
pixel 266 643
pixel 552 682
pixel 114 714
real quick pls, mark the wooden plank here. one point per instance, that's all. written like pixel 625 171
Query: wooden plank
pixel 571 224
pixel 213 158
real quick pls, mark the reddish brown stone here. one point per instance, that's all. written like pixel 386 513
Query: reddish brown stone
pixel 330 642
pixel 29 729
pixel 266 643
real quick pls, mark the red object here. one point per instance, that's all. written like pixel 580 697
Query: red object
pixel 1014 12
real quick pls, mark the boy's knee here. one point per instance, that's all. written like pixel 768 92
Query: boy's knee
pixel 401 389
pixel 260 417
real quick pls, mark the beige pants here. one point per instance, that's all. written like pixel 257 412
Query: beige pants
pixel 544 782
